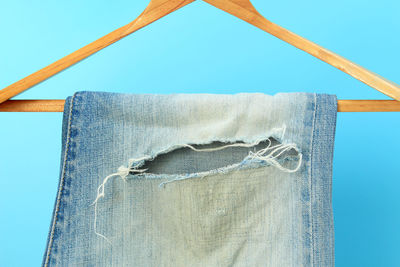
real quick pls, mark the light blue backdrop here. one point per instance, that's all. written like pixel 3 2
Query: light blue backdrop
pixel 200 49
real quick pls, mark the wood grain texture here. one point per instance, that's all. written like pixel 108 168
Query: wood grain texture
pixel 54 105
pixel 154 11
pixel 242 9
pixel 58 106
pixel 368 106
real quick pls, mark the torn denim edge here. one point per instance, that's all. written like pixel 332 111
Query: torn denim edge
pixel 277 133
pixel 134 164
pixel 243 165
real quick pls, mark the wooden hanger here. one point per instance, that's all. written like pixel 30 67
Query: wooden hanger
pixel 242 9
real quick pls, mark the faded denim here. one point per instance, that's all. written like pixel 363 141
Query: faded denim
pixel 138 186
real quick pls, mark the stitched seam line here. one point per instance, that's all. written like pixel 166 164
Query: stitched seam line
pixel 61 183
pixel 310 180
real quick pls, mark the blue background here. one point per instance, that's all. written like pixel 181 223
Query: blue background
pixel 200 49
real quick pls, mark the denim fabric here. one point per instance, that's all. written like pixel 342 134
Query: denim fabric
pixel 195 180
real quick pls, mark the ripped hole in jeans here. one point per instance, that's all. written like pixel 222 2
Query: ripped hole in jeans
pixel 189 161
pixel 202 158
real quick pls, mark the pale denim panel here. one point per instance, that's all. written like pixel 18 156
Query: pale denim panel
pixel 248 214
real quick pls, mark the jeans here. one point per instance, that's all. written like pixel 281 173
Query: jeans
pixel 195 180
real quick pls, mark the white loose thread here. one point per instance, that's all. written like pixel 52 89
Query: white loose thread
pixel 123 172
pixel 260 155
pixel 271 158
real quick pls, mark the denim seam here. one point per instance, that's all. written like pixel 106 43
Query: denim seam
pixel 311 182
pixel 55 217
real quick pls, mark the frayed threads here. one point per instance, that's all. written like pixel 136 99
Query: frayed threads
pixel 266 155
pixel 122 172
pixel 271 158
pixel 260 154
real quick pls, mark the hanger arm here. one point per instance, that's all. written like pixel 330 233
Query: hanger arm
pixel 57 105
pixel 244 10
pixel 154 11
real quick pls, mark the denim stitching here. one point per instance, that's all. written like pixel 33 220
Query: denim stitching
pixel 61 183
pixel 310 181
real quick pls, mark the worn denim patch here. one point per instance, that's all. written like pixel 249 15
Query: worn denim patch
pixel 195 180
